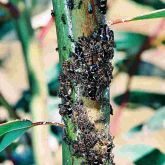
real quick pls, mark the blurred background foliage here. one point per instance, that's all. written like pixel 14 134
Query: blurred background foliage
pixel 137 90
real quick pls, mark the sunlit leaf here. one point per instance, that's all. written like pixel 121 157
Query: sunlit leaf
pixel 157 121
pixel 129 42
pixel 142 154
pixel 141 98
pixel 144 68
pixel 11 131
pixel 133 131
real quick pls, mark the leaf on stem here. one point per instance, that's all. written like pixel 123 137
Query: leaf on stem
pixel 152 15
pixel 10 131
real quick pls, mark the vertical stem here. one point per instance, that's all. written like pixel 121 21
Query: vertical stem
pixel 38 88
pixel 10 109
pixel 80 26
pixel 39 106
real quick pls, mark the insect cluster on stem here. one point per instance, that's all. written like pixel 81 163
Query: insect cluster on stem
pixel 87 74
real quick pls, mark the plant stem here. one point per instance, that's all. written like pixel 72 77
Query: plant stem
pixel 10 109
pixel 48 123
pixel 37 84
pixel 72 23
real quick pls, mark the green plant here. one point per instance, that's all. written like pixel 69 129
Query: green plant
pixel 82 106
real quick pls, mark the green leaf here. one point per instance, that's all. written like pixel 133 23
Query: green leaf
pixel 144 69
pixel 155 14
pixel 5 28
pixel 153 158
pixel 11 131
pixel 133 131
pixel 141 98
pixel 157 121
pixel 129 42
pixel 157 4
pixel 134 152
pixel 152 15
pixel 142 154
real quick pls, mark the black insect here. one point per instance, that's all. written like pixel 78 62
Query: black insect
pixel 70 4
pixel 80 4
pixel 70 37
pixel 52 13
pixel 64 48
pixel 88 58
pixel 109 148
pixel 111 109
pixel 70 113
pixel 90 8
pixel 63 19
pixel 94 68
pixel 57 49
pixel 102 5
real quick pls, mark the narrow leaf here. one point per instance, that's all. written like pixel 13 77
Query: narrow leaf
pixel 155 14
pixel 14 125
pixel 133 131
pixel 152 15
pixel 142 154
pixel 9 137
pixel 129 42
pixel 134 152
pixel 155 157
pixel 141 98
pixel 157 121
pixel 11 131
pixel 157 4
pixel 144 68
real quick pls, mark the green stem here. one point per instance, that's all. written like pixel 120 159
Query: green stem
pixel 38 87
pixel 74 24
pixel 10 109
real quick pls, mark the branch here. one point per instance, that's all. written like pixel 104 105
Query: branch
pixel 48 123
